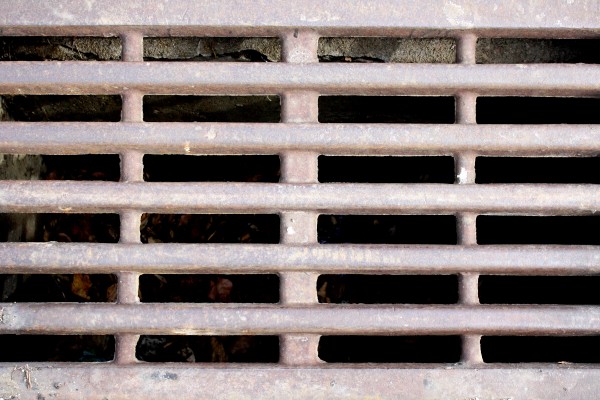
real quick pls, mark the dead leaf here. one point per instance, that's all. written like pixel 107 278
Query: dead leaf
pixel 81 285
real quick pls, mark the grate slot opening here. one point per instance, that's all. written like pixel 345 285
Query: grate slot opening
pixel 210 228
pixel 59 48
pixel 389 229
pixel 74 348
pixel 387 49
pixel 68 288
pixel 386 109
pixel 177 168
pixel 26 227
pixel 390 349
pixel 563 230
pixel 538 110
pixel 527 51
pixel 363 169
pixel 55 108
pixel 222 349
pixel 549 349
pixel 181 108
pixel 539 289
pixel 246 288
pixel 388 289
pixel 537 170
pixel 237 49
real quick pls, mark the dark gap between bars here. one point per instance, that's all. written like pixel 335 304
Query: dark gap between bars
pixel 559 230
pixel 54 227
pixel 387 229
pixel 537 170
pixel 527 51
pixel 222 49
pixel 59 48
pixel 69 288
pixel 219 349
pixel 62 348
pixel 387 289
pixel 210 228
pixel 387 49
pixel 55 108
pixel 365 169
pixel 386 109
pixel 390 349
pixel 187 108
pixel 576 290
pixel 204 288
pixel 538 110
pixel 201 168
pixel 540 349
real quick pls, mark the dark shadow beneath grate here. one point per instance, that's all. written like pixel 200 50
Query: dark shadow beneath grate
pixel 393 229
pixel 71 288
pixel 539 289
pixel 563 230
pixel 209 288
pixel 537 110
pixel 59 48
pixel 212 108
pixel 177 168
pixel 232 349
pixel 210 228
pixel 526 51
pixel 390 349
pixel 552 349
pixel 388 289
pixel 74 348
pixel 387 49
pixel 101 228
pixel 237 49
pixel 50 108
pixel 89 167
pixel 537 170
pixel 386 109
pixel 386 169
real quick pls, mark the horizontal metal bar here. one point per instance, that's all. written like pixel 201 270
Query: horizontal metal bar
pixel 49 77
pixel 458 14
pixel 70 197
pixel 159 381
pixel 164 258
pixel 240 138
pixel 231 319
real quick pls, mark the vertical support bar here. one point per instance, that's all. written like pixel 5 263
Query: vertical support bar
pixel 132 170
pixel 299 227
pixel 466 103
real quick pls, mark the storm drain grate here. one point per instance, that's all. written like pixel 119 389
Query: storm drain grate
pixel 319 336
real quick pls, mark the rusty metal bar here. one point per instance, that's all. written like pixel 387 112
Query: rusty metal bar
pixel 239 138
pixel 271 258
pixel 272 78
pixel 376 17
pixel 299 227
pixel 231 319
pixel 132 170
pixel 64 196
pixel 159 381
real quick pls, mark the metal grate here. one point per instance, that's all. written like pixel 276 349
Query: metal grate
pixel 298 319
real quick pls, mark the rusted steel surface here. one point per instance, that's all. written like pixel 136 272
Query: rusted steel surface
pixel 299 139
pixel 268 258
pixel 343 139
pixel 65 196
pixel 160 381
pixel 338 319
pixel 386 16
pixel 71 77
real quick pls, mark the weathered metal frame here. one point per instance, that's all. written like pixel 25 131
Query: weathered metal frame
pixel 299 139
